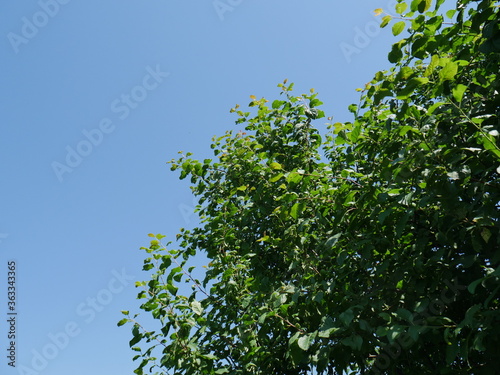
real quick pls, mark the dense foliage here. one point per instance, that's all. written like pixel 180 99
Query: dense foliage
pixel 371 249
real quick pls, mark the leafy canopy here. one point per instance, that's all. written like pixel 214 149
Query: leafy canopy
pixel 371 249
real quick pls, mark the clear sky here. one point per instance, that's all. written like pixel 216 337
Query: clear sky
pixel 95 98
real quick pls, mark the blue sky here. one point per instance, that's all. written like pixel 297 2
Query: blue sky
pixel 95 98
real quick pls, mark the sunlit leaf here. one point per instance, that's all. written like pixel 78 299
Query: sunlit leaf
pixel 398 28
pixel 385 21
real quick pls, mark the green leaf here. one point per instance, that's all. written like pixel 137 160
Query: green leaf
pixel 137 336
pixel 355 133
pixel 294 177
pixel 346 317
pixel 331 242
pixel 263 318
pixel 383 215
pixel 417 23
pixel 327 328
pixel 398 28
pixel 394 332
pixel 401 7
pixel 414 332
pixel 385 316
pixel 172 289
pixel 147 267
pixel 489 143
pixel 433 64
pixel 305 341
pixel 275 165
pixel 394 192
pixel 458 92
pixel 420 5
pixel 354 341
pixel 405 72
pixel 277 103
pixel 404 314
pixel 294 338
pixel 411 86
pixel 396 53
pixel 122 322
pixel 478 343
pixel 264 239
pixel 296 209
pixel 275 178
pixel 382 331
pixel 449 71
pixel 196 307
pixel 342 257
pixel 439 3
pixel 433 107
pixel 385 21
pixel 486 234
pixel 472 286
pixel 405 129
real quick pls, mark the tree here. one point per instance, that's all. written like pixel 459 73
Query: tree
pixel 373 248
